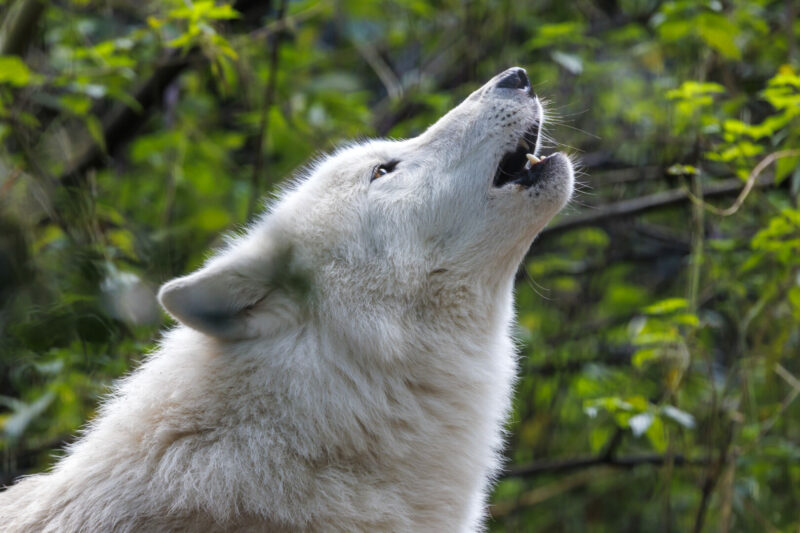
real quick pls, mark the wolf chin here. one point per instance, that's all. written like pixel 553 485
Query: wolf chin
pixel 345 364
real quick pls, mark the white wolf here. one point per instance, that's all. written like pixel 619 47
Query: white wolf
pixel 345 364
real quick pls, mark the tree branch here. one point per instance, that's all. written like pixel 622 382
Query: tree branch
pixel 650 202
pixel 122 122
pixel 18 26
pixel 263 127
pixel 559 466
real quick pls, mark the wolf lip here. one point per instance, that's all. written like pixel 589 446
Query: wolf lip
pixel 516 166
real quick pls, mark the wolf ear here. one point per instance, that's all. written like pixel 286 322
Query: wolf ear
pixel 217 299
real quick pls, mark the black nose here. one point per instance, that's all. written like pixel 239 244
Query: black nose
pixel 515 78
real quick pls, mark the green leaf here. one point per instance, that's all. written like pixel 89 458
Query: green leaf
pixel 212 219
pixel 657 435
pixel 223 12
pixel 794 300
pixel 670 305
pixel 740 150
pixel 550 34
pixel 784 167
pixel 75 103
pixel 640 423
pixel 693 90
pixel 599 437
pixel 23 413
pixel 572 63
pixel 681 417
pixel 718 32
pixel 645 355
pixel 785 78
pixel 683 170
pixel 95 130
pixel 14 71
pixel 686 319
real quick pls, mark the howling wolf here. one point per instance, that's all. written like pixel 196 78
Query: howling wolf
pixel 345 364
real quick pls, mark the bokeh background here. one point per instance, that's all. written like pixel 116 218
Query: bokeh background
pixel 659 315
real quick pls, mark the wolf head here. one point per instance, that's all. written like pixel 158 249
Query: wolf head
pixel 386 228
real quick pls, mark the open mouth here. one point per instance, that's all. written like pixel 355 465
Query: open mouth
pixel 522 166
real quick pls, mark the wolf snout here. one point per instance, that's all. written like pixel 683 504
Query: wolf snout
pixel 515 78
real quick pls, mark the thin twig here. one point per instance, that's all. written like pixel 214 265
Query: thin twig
pixel 698 239
pixel 9 182
pixel 766 524
pixel 384 72
pixel 714 470
pixel 286 23
pixel 728 482
pixel 540 494
pixel 748 186
pixel 787 401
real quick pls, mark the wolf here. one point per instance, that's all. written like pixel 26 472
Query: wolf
pixel 345 363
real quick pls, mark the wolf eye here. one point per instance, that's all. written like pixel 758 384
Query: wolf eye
pixel 382 170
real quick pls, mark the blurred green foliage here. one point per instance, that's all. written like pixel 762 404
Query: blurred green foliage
pixel 660 363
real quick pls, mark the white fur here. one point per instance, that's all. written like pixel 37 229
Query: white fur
pixel 345 365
